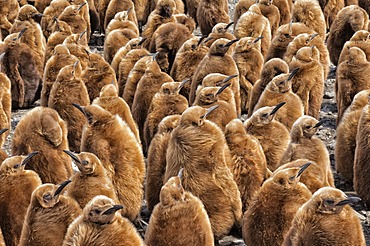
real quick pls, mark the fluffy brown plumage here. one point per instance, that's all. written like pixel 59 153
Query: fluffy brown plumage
pixel 115 7
pixel 209 13
pixel 77 46
pixel 360 39
pixel 5 106
pixel 134 43
pixel 73 16
pixel 55 8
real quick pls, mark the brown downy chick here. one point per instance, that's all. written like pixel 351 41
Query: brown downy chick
pixel 85 13
pixel 253 24
pixel 73 16
pixel 147 87
pixel 167 101
pixel 360 39
pixel 69 88
pixel 352 77
pixel 270 215
pixel 40 5
pixel 179 213
pixel 331 9
pixel 5 106
pixel 101 225
pixel 8 13
pixel 3 154
pixel 326 219
pixel 42 130
pixel 112 141
pixel 179 6
pixel 17 184
pixel 272 13
pixel 308 83
pixel 55 8
pixel 77 46
pixel 349 20
pixel 110 101
pixel 61 58
pixel 304 145
pixel 345 144
pixel 241 7
pixel 270 69
pixel 133 44
pixel 115 7
pixel 217 61
pixel 192 8
pixel 91 180
pixel 309 13
pixel 309 40
pixel 209 13
pixel 186 61
pixel 220 30
pixel 48 216
pixel 279 89
pixel 249 60
pixel 250 168
pixel 157 159
pixel 210 179
pixel 272 135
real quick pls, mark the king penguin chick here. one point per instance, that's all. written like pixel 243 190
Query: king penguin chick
pixel 110 101
pixel 209 13
pixel 167 101
pixel 272 211
pixel 331 9
pixel 91 180
pixel 55 8
pixel 272 135
pixel 345 144
pixel 308 83
pixel 8 12
pixel 210 179
pixel 42 130
pixel 304 145
pixel 179 213
pixel 157 159
pixel 326 219
pixel 49 211
pixel 220 30
pixel 102 225
pixel 73 16
pixel 250 168
pixel 270 69
pixel 69 88
pixel 3 154
pixel 271 12
pixel 115 7
pixel 349 20
pixel 5 106
pixel 112 141
pixel 12 174
pixel 77 46
pixel 279 90
pixel 360 39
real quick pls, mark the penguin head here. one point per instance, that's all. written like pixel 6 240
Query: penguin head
pixel 288 178
pixel 95 115
pixel 61 26
pixel 221 28
pixel 254 8
pixel 85 161
pixel 265 2
pixel 360 36
pixel 248 43
pixel 282 83
pixel 47 195
pixel 172 192
pixel 70 72
pixel 191 44
pixel 168 123
pixel 134 43
pixel 195 116
pixel 307 54
pixel 356 56
pixel 235 128
pixel 206 96
pixel 101 210
pixel 283 36
pixel 28 12
pixel 329 200
pixel 15 164
pixel 306 38
pixel 61 49
pixel 170 88
pixel 304 127
pixel 357 18
pixel 166 8
pixel 214 79
pixel 221 46
pixel 109 90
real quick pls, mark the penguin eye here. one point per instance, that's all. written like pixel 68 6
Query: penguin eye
pixel 264 115
pixel 286 35
pixel 47 197
pixel 209 95
pixel 16 166
pixel 97 211
pixel 307 127
pixel 85 162
pixel 166 91
pixel 193 46
pixel 328 203
pixel 220 45
pixel 281 181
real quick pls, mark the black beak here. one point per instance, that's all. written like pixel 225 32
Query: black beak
pixel 201 40
pixel 72 155
pixel 231 42
pixel 312 36
pixel 209 111
pixel 291 75
pixel 257 39
pixel 277 107
pixel 222 88
pixel 142 41
pixel 21 33
pixel 228 25
pixel 208 39
pixel 180 173
pixel 61 187
pixel 3 130
pixel 29 157
pixel 83 4
pixel 113 209
pixel 79 108
pixel 154 56
pixel 318 124
pixel 182 84
pixel 349 200
pixel 81 35
pixel 128 10
pixel 75 65
pixel 230 77
pixel 304 167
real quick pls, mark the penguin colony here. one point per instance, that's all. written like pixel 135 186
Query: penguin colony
pixel 212 135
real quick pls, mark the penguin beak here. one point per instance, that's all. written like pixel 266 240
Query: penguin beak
pixel 209 111
pixel 128 10
pixel 208 39
pixel 312 37
pixel 154 56
pixel 349 200
pixel 318 124
pixel 28 158
pixel 38 15
pixel 72 155
pixel 231 42
pixel 55 19
pixel 21 33
pixel 83 4
pixel 257 39
pixel 74 67
pixel 79 108
pixel 222 88
pixel 291 75
pixel 81 35
pixel 61 187
pixel 290 27
pixel 227 79
pixel 180 173
pixel 182 84
pixel 277 107
pixel 200 40
pixel 228 25
pixel 301 170
pixel 113 209
pixel 3 130
pixel 141 41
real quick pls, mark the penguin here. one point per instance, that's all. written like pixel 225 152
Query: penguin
pixel 217 61
pixel 41 129
pixel 349 20
pixel 148 85
pixel 179 213
pixel 249 60
pixel 326 219
pixel 8 13
pixel 13 211
pixel 115 7
pixel 167 101
pixel 134 43
pixel 308 82
pixel 210 179
pixel 119 151
pixel 156 162
pixel 179 6
pixel 73 16
pixel 345 144
pixel 5 106
pixel 69 88
pixel 3 154
pixel 97 74
pixel 271 134
pixel 253 24
pixel 272 211
pixel 361 40
pixel 91 180
pixel 250 167
pixel 55 8
pixel 279 90
pixel 85 13
pixel 102 225
pixel 142 9
pixel 241 7
pixel 331 10
pixel 110 101
pixel 351 78
pixel 271 12
pixel 49 211
pixel 210 13
pixel 77 46
pixel 220 30
pixel 61 58
pixel 304 145
pixel 270 69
